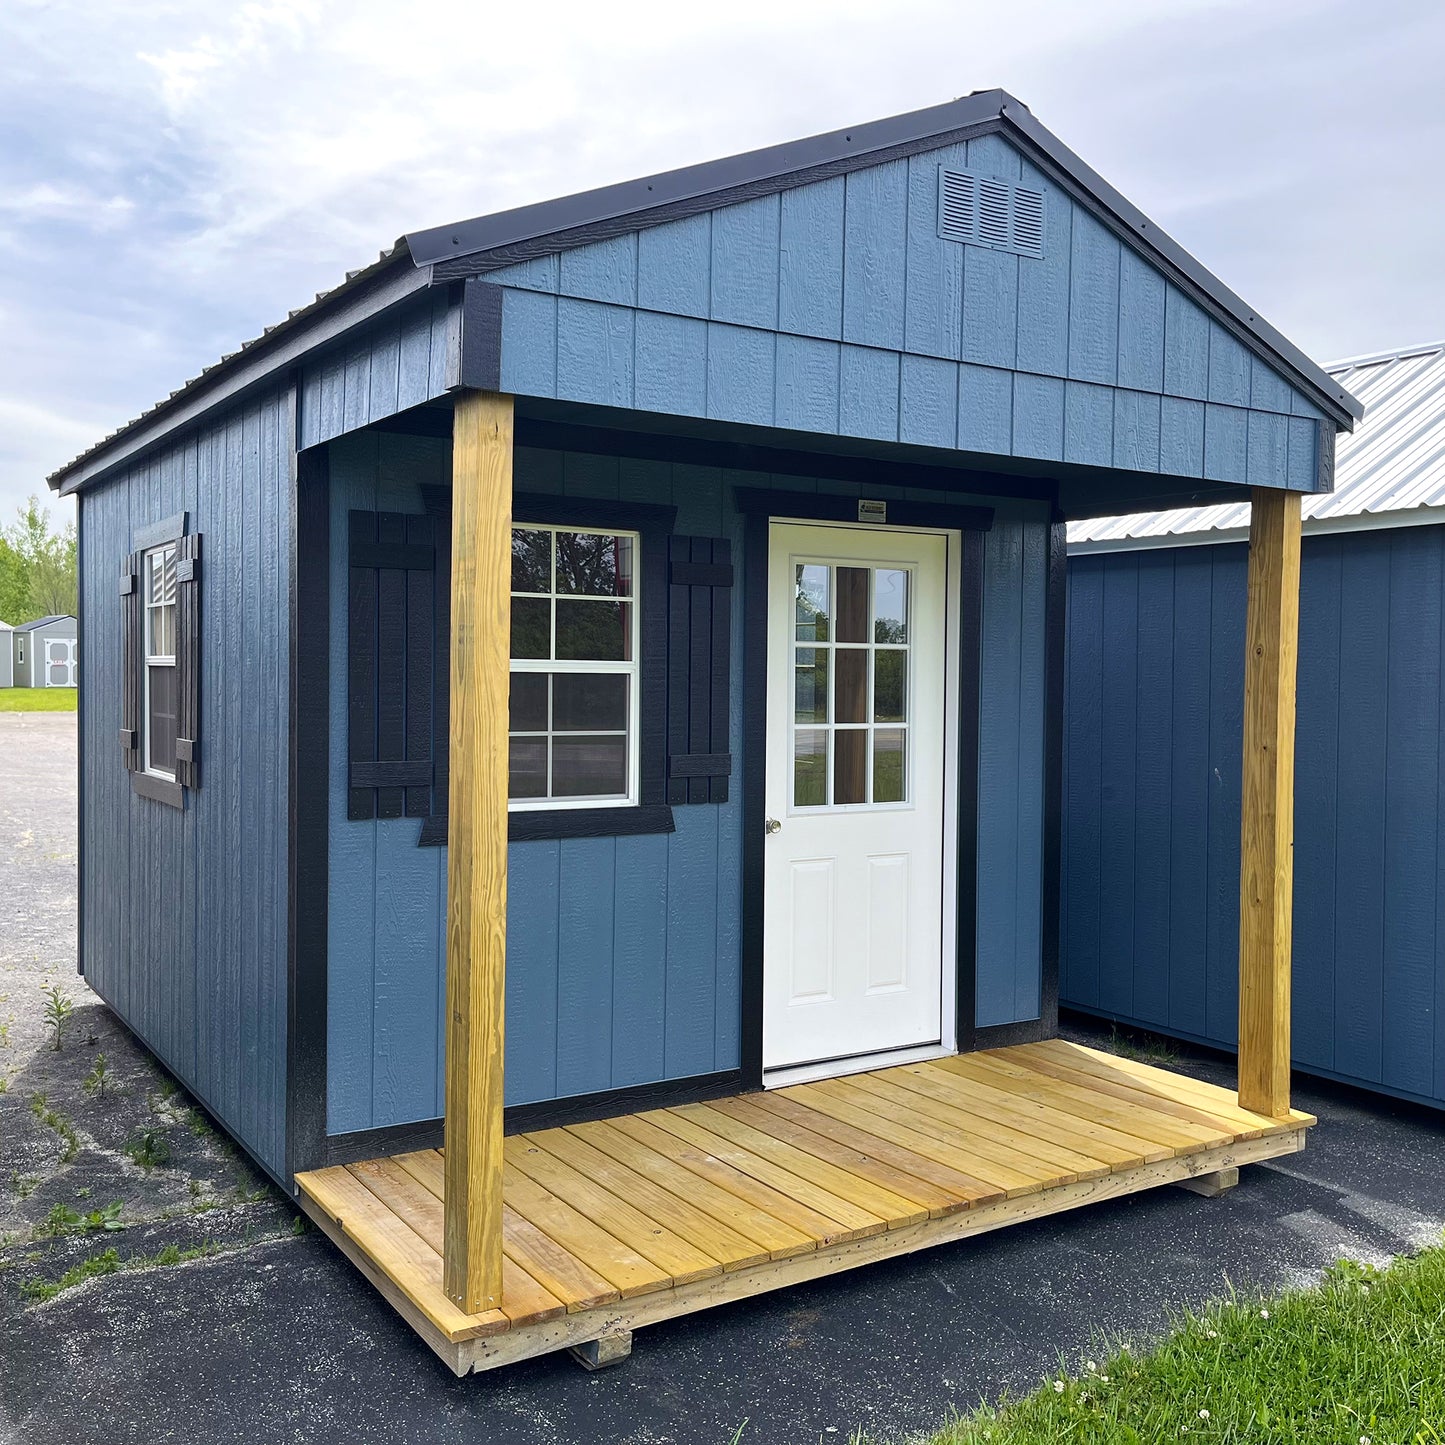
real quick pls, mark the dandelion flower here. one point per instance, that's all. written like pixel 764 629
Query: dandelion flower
pixel 1211 1334
pixel 1104 1379
pixel 1264 1314
pixel 1090 1366
pixel 1058 1387
pixel 1204 1414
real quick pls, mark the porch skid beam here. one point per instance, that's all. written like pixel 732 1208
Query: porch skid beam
pixel 477 848
pixel 1266 875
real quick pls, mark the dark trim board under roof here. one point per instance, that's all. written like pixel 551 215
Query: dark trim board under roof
pixel 444 254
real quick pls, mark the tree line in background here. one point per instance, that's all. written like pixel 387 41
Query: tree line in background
pixel 37 567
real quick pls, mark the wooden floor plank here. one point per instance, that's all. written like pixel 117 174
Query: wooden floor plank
pixel 1212 1097
pixel 795 1104
pixel 779 1240
pixel 1090 1104
pixel 748 1190
pixel 716 1240
pixel 525 1299
pixel 762 1112
pixel 397 1250
pixel 1132 1089
pixel 576 1284
pixel 1117 1147
pixel 855 1223
pixel 893 1208
pixel 681 1259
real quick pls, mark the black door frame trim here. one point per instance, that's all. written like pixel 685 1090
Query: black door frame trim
pixel 759 507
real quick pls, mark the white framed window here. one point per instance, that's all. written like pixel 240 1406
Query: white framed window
pixel 573 731
pixel 20 650
pixel 161 692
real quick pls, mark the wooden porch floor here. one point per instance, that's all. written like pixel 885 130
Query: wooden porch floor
pixel 624 1222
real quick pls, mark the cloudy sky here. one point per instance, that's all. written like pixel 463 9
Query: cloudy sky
pixel 176 174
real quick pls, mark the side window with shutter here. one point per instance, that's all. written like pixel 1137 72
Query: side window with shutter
pixel 160 619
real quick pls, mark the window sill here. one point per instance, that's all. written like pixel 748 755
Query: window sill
pixel 162 790
pixel 536 825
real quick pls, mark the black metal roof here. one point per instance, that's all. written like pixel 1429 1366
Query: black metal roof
pixel 470 247
pixel 42 622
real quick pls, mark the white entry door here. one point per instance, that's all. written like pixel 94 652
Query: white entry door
pixel 854 885
pixel 60 660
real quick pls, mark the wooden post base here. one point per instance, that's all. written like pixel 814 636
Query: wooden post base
pixel 609 1350
pixel 1211 1186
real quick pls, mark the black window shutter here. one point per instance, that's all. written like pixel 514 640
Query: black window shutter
pixel 700 581
pixel 188 660
pixel 391 652
pixel 130 660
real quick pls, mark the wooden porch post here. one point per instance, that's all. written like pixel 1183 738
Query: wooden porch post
pixel 1266 875
pixel 477 847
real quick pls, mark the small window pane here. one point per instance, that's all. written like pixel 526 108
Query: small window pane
pixel 531 560
pixel 583 702
pixel 588 766
pixel 162 631
pixel 850 766
pixel 810 768
pixel 890 618
pixel 811 608
pixel 850 686
pixel 593 565
pixel 163 575
pixel 593 631
pixel 889 756
pixel 810 685
pixel 890 686
pixel 531 627
pixel 852 584
pixel 161 718
pixel 529 702
pixel 527 768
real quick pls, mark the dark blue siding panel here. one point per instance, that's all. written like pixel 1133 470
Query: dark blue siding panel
pixel 183 929
pixel 1369 800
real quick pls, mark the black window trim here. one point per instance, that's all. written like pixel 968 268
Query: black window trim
pixel 146 539
pixel 653 524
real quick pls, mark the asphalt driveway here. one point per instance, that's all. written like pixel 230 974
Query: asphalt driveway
pixel 270 1335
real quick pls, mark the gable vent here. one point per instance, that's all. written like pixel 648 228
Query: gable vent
pixel 985 211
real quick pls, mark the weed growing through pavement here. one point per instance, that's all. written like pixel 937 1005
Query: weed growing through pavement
pixel 52 1119
pixel 149 1149
pixel 64 1220
pixel 58 1008
pixel 99 1079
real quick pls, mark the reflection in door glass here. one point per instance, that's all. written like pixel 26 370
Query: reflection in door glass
pixel 841 757
pixel 812 602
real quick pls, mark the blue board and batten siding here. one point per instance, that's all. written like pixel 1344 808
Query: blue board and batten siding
pixel 836 309
pixel 624 958
pixel 183 924
pixel 1152 797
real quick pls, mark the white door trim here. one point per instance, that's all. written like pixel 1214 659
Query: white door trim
pixel 779 1077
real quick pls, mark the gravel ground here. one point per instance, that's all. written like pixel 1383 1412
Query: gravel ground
pixel 270 1335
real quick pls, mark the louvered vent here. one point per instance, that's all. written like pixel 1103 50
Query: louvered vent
pixel 985 211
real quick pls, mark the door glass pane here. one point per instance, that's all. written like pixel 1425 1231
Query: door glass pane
pixel 527 768
pixel 810 685
pixel 889 773
pixel 811 608
pixel 850 701
pixel 890 685
pixel 528 712
pixel 890 614
pixel 852 584
pixel 850 766
pixel 593 631
pixel 588 766
pixel 810 768
pixel 594 565
pixel 531 627
pixel 531 560
pixel 163 631
pixel 589 702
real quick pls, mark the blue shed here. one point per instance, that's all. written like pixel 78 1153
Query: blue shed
pixel 1155 696
pixel 632 626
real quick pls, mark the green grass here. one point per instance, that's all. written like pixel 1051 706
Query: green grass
pixel 1360 1357
pixel 38 699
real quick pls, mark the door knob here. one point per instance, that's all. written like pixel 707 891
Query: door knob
pixel 772 826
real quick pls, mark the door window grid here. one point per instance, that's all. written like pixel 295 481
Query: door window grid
pixel 850 649
pixel 573 732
